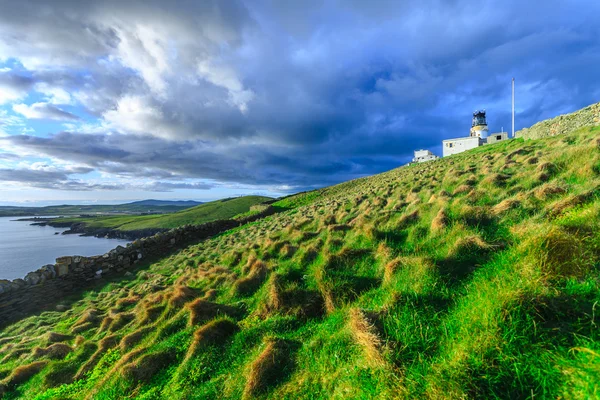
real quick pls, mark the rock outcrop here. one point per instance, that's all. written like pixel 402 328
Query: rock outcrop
pixel 589 116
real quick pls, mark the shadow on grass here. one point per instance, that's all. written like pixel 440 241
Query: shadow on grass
pixel 535 326
pixel 412 326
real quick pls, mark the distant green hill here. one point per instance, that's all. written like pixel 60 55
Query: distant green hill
pixel 214 210
pixel 144 206
pixel 179 203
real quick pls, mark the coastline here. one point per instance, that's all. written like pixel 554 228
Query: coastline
pixel 80 228
pixel 39 289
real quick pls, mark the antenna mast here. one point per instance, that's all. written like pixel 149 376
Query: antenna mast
pixel 513 107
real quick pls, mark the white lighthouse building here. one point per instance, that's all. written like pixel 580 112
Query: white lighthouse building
pixel 479 135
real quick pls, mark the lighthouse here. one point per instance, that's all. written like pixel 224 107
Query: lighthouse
pixel 479 126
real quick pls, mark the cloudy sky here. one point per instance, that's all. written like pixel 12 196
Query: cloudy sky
pixel 122 100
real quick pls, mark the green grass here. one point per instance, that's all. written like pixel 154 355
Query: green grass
pixel 475 276
pixel 214 210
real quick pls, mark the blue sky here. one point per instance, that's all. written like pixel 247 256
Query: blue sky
pixel 115 101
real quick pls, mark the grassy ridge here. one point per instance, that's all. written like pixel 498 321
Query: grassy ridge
pixel 474 276
pixel 214 210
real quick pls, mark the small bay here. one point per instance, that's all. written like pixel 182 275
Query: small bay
pixel 25 248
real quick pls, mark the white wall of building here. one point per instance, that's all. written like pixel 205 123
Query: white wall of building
pixel 458 145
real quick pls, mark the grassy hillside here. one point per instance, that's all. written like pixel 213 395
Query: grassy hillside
pixel 474 276
pixel 155 206
pixel 214 210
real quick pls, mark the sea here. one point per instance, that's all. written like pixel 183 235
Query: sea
pixel 25 248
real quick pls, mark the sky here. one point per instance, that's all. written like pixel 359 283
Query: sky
pixel 112 101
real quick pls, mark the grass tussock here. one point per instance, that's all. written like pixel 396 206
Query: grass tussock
pixel 147 366
pixel 270 367
pixel 23 373
pixel 132 339
pixel 203 310
pixel 255 278
pixel 56 351
pixel 54 337
pixel 366 336
pixel 469 243
pixel 505 205
pixel 181 295
pixel 212 333
pixel 440 222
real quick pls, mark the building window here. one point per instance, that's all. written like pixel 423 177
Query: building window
pixel 499 137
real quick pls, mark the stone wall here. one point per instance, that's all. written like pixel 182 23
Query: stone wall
pixel 588 116
pixel 40 288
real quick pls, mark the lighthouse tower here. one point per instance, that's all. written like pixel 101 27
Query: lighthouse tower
pixel 479 127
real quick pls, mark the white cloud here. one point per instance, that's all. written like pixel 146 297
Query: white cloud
pixel 43 111
pixel 143 49
pixel 137 114
pixel 54 94
pixel 9 94
pixel 225 76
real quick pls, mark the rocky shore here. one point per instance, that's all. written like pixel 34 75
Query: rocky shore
pixel 79 228
pixel 41 289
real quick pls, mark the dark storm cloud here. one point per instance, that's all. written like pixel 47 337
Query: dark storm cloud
pixel 298 94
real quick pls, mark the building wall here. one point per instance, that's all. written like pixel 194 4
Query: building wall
pixel 455 146
pixel 497 137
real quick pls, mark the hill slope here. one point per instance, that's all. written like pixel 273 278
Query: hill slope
pixel 152 202
pixel 474 276
pixel 211 211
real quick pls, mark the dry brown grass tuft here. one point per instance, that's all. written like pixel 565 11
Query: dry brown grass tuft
pixel 202 310
pixel 249 284
pixel 339 228
pixel 131 340
pixel 569 202
pixel 210 294
pixel 54 337
pixel 21 374
pixel 181 295
pixel 496 179
pixel 469 243
pixel 106 323
pixel 275 300
pixel 461 189
pixel 504 206
pixel 548 190
pixel 214 332
pixel 127 302
pixel 412 198
pixel 82 328
pixel 547 167
pixel 407 219
pixel 120 321
pixel 150 313
pixel 440 222
pixel 90 316
pixel 269 368
pixel 104 344
pixel 287 251
pixel 143 369
pixel 366 336
pixel 56 351
pixel 383 251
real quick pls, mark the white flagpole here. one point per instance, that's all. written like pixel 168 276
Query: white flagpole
pixel 513 107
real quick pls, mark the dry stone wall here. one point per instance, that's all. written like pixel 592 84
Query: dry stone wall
pixel 40 289
pixel 588 116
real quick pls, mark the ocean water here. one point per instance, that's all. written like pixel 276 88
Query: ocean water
pixel 25 248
